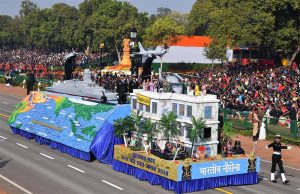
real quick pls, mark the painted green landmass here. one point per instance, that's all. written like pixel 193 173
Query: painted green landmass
pixel 88 130
pixel 19 126
pixel 92 134
pixel 74 129
pixel 20 107
pixel 60 105
pixel 82 110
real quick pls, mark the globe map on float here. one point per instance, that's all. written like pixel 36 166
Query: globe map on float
pixel 69 121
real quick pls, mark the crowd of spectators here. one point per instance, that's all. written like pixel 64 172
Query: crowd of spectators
pixel 268 88
pixel 23 59
pixel 241 89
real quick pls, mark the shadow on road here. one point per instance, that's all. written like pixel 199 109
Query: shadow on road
pixel 4 162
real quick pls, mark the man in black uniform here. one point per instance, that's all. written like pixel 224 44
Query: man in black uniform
pixel 277 159
pixel 122 88
pixel 133 84
pixel 30 81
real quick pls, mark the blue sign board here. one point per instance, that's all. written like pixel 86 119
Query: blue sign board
pixel 218 168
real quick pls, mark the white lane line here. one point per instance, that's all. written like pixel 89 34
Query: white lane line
pixel 283 165
pixel 15 184
pixel 298 189
pixel 21 145
pixel 263 178
pixel 3 137
pixel 5 102
pixel 76 168
pixel 47 156
pixel 113 185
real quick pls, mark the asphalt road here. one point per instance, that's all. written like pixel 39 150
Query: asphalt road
pixel 26 167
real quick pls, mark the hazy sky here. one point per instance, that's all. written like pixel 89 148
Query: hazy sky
pixel 12 7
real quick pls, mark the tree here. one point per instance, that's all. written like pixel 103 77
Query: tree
pixel 148 128
pixel 169 126
pixel 123 125
pixel 162 31
pixel 196 131
pixel 163 11
pixel 27 6
pixel 215 51
pixel 239 23
pixel 137 119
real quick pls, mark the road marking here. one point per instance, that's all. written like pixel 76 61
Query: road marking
pixel 21 145
pixel 263 178
pixel 283 165
pixel 2 115
pixel 298 189
pixel 15 184
pixel 5 102
pixel 113 185
pixel 3 137
pixel 47 156
pixel 76 169
pixel 223 191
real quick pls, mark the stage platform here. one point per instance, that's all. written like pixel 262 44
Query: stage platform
pixel 186 175
pixel 70 125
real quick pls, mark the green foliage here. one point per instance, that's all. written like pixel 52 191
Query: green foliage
pixel 123 125
pixel 225 133
pixel 162 31
pixel 148 128
pixel 27 7
pixel 238 23
pixel 196 131
pixel 137 119
pixel 169 126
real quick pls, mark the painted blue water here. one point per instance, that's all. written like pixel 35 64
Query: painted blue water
pixel 44 112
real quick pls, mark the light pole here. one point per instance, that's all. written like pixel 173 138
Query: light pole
pixel 133 34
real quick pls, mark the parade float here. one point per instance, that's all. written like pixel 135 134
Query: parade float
pixel 67 123
pixel 204 169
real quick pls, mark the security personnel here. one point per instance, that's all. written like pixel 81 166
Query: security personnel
pixel 277 158
pixel 133 84
pixel 122 89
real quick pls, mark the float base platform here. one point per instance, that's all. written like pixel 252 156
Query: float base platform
pixel 186 176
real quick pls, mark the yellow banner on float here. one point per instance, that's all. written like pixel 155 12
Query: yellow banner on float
pixel 150 163
pixel 143 99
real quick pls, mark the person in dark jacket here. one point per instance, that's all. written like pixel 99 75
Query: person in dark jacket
pixel 133 84
pixel 277 158
pixel 122 90
pixel 30 82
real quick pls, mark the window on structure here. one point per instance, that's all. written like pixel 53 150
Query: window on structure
pixel 154 107
pixel 141 106
pixel 181 109
pixel 207 132
pixel 189 110
pixel 207 112
pixel 181 131
pixel 174 108
pixel 134 104
pixel 147 108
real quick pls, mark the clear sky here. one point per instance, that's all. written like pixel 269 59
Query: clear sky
pixel 12 7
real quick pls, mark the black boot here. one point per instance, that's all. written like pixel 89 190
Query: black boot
pixel 285 182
